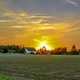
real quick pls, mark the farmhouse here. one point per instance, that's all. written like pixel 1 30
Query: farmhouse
pixel 30 50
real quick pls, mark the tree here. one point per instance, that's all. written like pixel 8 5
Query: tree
pixel 74 50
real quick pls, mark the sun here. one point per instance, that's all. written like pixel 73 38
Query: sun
pixel 43 44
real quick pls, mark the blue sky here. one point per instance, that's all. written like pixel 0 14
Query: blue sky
pixel 48 7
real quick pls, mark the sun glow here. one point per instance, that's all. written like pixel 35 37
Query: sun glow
pixel 43 44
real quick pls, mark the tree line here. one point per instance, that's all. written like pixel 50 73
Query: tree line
pixel 11 49
pixel 21 50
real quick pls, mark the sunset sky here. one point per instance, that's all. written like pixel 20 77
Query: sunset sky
pixel 32 22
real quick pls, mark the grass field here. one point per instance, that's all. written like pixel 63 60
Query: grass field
pixel 32 67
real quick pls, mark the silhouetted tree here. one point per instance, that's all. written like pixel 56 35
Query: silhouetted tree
pixel 74 50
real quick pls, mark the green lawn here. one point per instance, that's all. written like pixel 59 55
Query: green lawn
pixel 6 77
pixel 23 67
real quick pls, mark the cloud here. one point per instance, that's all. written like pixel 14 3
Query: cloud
pixel 17 26
pixel 22 18
pixel 74 27
pixel 24 23
pixel 71 2
pixel 4 21
pixel 32 22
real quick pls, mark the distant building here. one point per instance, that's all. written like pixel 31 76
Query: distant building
pixel 30 50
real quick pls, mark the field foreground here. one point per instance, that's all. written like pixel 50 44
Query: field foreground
pixel 36 67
